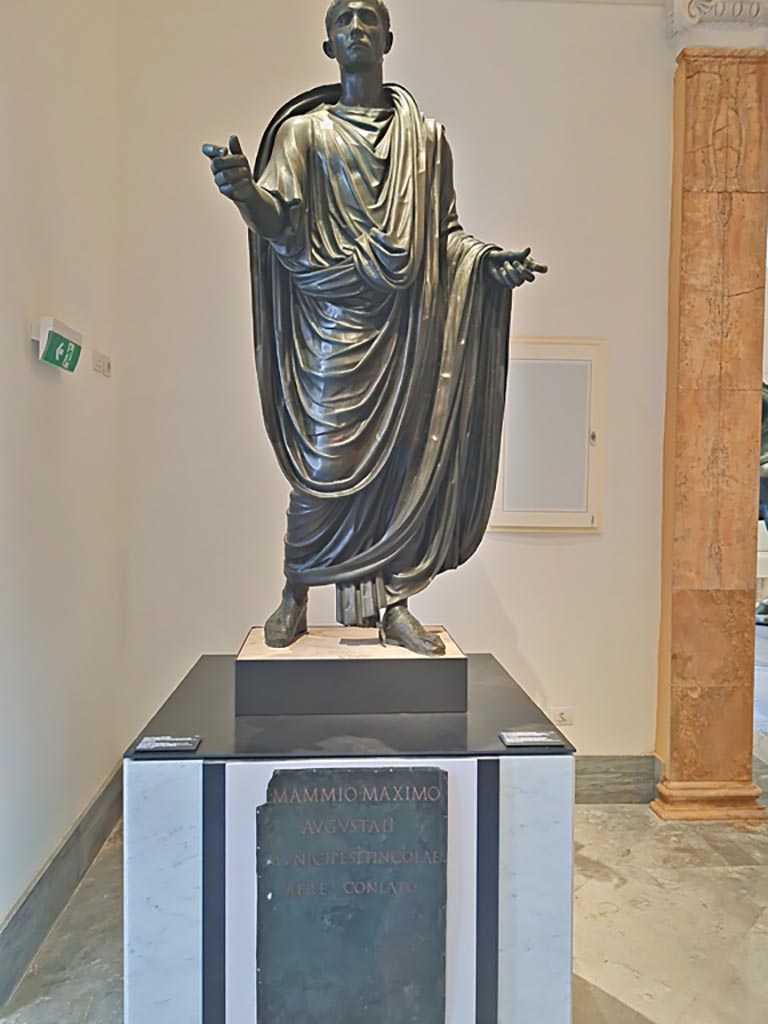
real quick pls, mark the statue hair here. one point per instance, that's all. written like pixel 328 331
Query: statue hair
pixel 378 4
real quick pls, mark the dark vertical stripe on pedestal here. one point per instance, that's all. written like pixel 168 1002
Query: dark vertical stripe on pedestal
pixel 487 1006
pixel 214 890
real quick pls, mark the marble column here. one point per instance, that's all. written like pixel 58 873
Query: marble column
pixel 712 443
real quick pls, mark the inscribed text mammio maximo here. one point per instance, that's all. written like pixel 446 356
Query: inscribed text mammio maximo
pixel 352 897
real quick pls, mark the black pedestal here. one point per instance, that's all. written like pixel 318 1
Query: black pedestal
pixel 331 672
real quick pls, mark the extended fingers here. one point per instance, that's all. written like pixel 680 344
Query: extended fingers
pixel 211 151
pixel 518 257
pixel 226 163
pixel 516 273
pixel 509 276
pixel 232 175
pixel 523 258
pixel 525 271
pixel 512 276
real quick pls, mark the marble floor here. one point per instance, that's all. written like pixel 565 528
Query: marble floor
pixel 671 928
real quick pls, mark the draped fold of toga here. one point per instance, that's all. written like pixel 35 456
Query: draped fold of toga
pixel 381 350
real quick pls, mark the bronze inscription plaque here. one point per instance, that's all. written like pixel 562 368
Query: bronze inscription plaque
pixel 352 897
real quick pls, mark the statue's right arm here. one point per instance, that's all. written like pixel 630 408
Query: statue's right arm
pixel 261 210
pixel 263 213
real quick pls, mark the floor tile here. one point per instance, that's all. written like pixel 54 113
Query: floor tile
pixel 624 839
pixel 593 1006
pixel 77 975
pixel 677 918
pixel 738 845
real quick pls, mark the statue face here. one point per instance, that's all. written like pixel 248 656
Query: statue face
pixel 358 39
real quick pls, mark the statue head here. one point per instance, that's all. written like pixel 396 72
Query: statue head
pixel 359 33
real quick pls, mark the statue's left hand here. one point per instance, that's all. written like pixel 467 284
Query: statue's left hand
pixel 511 269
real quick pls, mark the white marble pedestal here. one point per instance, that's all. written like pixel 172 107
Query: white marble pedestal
pixel 190 850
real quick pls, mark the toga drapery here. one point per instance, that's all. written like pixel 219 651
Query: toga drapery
pixel 381 348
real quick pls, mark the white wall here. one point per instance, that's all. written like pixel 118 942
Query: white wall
pixel 60 521
pixel 560 120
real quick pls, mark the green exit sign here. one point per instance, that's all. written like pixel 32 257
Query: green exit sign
pixel 58 349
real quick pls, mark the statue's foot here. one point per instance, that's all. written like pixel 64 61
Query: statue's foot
pixel 289 622
pixel 402 629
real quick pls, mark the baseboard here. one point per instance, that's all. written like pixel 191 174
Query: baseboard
pixel 616 780
pixel 27 926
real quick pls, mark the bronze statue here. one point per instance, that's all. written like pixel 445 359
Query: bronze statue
pixel 382 334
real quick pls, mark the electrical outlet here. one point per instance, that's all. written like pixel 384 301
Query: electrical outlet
pixel 562 716
pixel 102 364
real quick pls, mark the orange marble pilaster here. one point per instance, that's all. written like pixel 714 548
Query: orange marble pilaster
pixel 712 437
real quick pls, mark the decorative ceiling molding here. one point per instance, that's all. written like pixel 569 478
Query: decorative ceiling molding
pixel 687 15
pixel 721 23
pixel 609 3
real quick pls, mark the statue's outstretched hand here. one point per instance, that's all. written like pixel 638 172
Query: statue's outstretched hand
pixel 231 170
pixel 511 269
